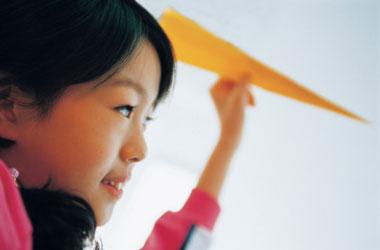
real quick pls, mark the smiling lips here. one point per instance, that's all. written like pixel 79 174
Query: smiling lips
pixel 115 185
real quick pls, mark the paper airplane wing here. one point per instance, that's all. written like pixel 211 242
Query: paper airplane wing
pixel 196 46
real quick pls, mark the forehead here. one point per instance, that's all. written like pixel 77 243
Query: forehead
pixel 141 73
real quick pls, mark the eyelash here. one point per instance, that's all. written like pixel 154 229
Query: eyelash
pixel 131 109
pixel 127 107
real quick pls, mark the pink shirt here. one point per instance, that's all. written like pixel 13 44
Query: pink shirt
pixel 169 232
pixel 15 227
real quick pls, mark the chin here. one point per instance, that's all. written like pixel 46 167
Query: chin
pixel 104 216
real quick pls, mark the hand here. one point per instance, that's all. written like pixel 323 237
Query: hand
pixel 230 98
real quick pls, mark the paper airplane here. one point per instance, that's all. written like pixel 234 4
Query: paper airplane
pixel 195 45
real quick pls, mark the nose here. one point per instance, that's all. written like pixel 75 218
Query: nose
pixel 134 148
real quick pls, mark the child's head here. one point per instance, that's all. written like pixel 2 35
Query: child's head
pixel 69 72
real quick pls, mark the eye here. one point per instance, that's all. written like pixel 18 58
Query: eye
pixel 148 120
pixel 126 110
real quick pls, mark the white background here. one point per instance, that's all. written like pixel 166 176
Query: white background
pixel 303 178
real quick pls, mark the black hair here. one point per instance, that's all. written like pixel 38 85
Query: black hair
pixel 47 46
pixel 60 220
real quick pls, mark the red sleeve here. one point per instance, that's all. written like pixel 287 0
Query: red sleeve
pixel 171 228
pixel 15 227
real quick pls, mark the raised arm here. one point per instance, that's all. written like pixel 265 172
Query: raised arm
pixel 230 99
pixel 173 228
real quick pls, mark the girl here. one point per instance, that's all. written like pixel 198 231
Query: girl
pixel 79 80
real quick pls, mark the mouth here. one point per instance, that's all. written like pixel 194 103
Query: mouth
pixel 115 192
pixel 115 186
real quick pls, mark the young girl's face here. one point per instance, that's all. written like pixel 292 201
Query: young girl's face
pixel 89 137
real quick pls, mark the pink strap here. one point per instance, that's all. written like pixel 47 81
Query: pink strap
pixel 15 227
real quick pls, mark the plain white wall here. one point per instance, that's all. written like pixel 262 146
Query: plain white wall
pixel 303 178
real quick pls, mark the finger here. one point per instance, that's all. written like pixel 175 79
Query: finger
pixel 221 84
pixel 240 94
pixel 251 99
pixel 245 88
pixel 245 82
pixel 217 83
pixel 245 78
pixel 240 88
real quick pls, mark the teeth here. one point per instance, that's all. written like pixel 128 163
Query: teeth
pixel 117 185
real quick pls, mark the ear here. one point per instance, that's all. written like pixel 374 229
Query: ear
pixel 8 120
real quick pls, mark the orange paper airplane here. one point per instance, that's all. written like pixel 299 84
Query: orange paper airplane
pixel 195 45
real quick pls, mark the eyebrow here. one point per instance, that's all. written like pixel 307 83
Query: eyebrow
pixel 131 84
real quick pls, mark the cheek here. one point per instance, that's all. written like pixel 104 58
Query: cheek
pixel 86 155
pixel 76 152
